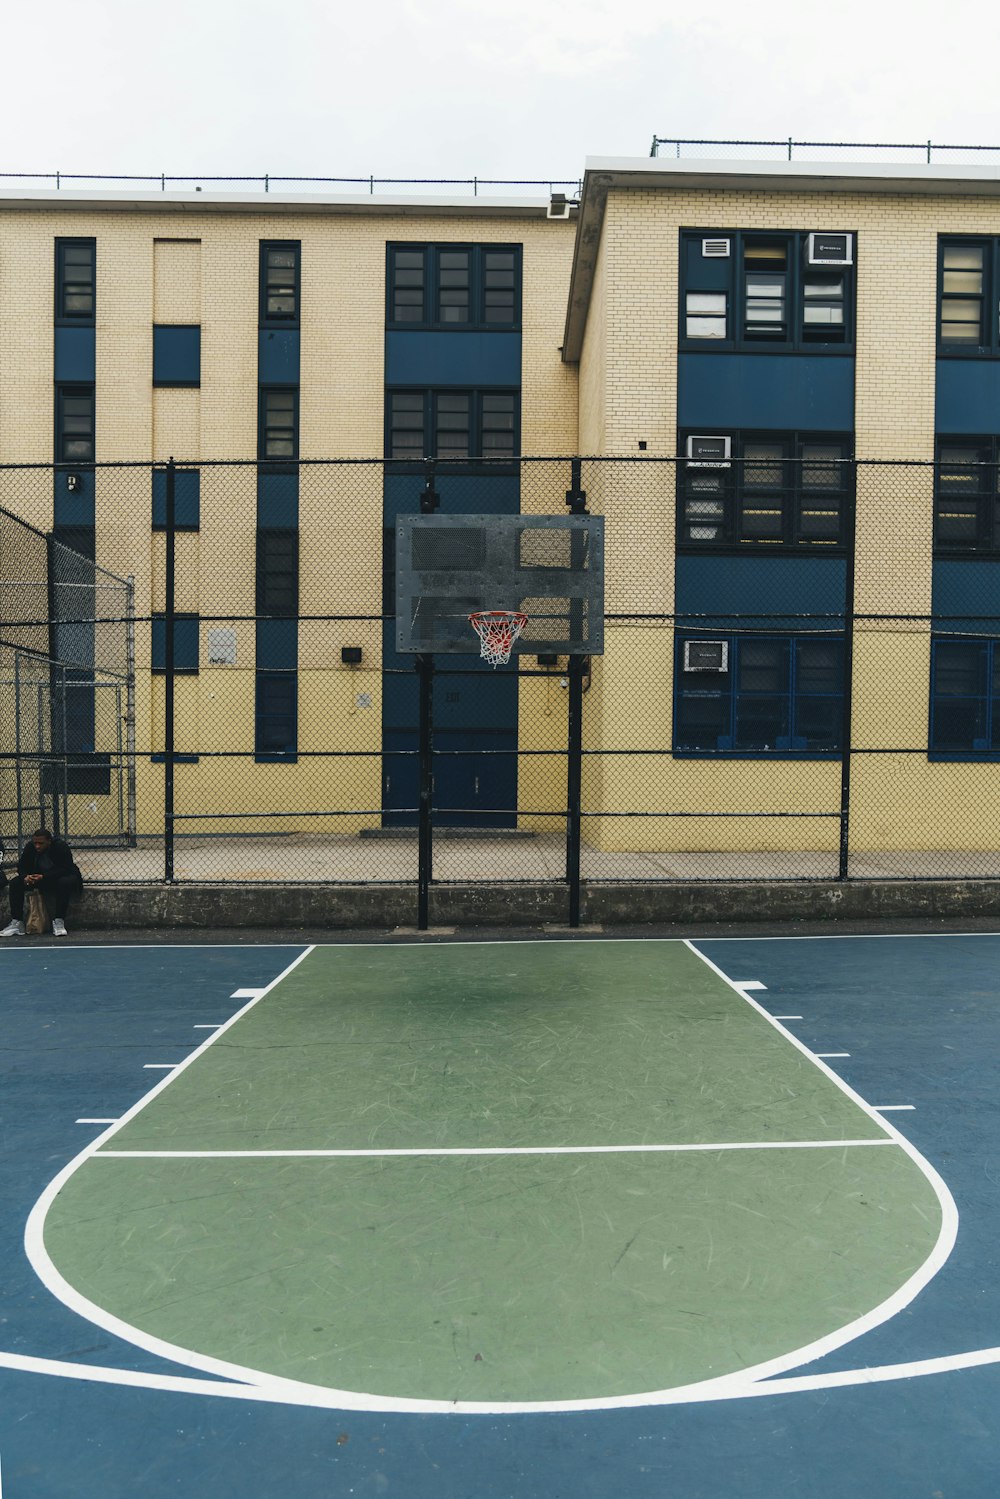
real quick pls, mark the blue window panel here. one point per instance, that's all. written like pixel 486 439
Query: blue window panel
pixel 75 355
pixel 781 697
pixel 745 586
pixel 176 355
pixel 276 717
pixel 73 508
pixel 278 356
pixel 965 596
pixel 277 644
pixel 430 359
pixel 965 699
pixel 967 395
pixel 186 631
pixel 187 499
pixel 805 392
pixel 277 499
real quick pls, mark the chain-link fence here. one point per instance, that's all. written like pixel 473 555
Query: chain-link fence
pixel 801 676
pixel 902 153
pixel 67 756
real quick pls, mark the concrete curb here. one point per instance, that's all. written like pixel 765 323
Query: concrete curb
pixel 111 907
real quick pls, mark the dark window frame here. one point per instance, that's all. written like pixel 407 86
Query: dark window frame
pixel 288 679
pixel 988 700
pixel 279 320
pixel 989 346
pixel 157 647
pixel 797 272
pixel 984 500
pixel 64 319
pixel 265 571
pixel 63 392
pixel 431 319
pixel 793 493
pixel 431 399
pixel 788 692
pixel 275 464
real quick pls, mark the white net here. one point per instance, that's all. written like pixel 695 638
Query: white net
pixel 497 630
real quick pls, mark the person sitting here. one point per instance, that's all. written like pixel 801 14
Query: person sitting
pixel 46 864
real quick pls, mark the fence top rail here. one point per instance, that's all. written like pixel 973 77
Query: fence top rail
pixel 441 465
pixel 789 145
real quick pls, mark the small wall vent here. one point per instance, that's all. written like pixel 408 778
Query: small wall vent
pixel 706 655
pixel 716 249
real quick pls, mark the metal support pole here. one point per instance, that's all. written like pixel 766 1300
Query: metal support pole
pixel 425 835
pixel 169 621
pixel 130 709
pixel 845 723
pixel 574 785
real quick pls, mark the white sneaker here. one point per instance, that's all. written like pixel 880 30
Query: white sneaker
pixel 13 929
pixel 58 927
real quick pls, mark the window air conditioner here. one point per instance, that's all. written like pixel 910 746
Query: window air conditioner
pixel 715 249
pixel 709 452
pixel 830 249
pixel 706 655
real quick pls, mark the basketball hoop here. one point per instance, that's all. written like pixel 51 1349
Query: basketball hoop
pixel 497 630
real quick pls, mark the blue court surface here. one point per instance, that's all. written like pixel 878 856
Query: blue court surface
pixel 908 1407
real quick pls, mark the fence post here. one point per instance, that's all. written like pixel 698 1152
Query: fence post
pixel 576 499
pixel 425 832
pixel 848 680
pixel 169 622
pixel 130 708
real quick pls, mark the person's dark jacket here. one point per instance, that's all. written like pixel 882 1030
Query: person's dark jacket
pixel 62 861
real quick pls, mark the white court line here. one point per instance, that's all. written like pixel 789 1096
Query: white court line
pixel 749 984
pixel 246 994
pixel 213 1027
pixel 97 1121
pixel 476 1150
pixel 832 1054
pixel 159 1066
pixel 785 1017
pixel 893 1108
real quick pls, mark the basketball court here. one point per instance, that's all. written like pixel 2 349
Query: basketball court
pixel 540 1217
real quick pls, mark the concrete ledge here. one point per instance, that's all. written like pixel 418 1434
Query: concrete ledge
pixel 110 907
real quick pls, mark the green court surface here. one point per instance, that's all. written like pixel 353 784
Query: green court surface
pixel 507 1174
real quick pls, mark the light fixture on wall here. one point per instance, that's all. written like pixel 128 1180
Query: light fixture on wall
pixel 74 483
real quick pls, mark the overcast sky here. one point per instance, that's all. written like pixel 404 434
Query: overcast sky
pixel 451 88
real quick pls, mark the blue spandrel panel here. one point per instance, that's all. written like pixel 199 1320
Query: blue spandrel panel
pixel 967 396
pixel 75 358
pixel 727 592
pixel 434 359
pixel 176 356
pixel 784 392
pixel 187 499
pixel 278 356
pixel 277 644
pixel 965 597
pixel 277 498
pixel 73 497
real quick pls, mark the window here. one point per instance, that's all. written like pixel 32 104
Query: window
pixel 185 642
pixel 280 277
pixel 176 355
pixel 187 499
pixel 454 286
pixel 278 434
pixel 967 496
pixel 762 291
pixel 781 489
pixel 74 424
pixel 455 424
pixel 967 321
pixel 278 572
pixel 276 716
pixel 965 699
pixel 778 695
pixel 75 280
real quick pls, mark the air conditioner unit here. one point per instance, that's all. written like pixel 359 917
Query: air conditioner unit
pixel 716 249
pixel 706 655
pixel 830 249
pixel 709 452
pixel 559 207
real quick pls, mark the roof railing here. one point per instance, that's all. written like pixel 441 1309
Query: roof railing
pixel 786 149
pixel 369 184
